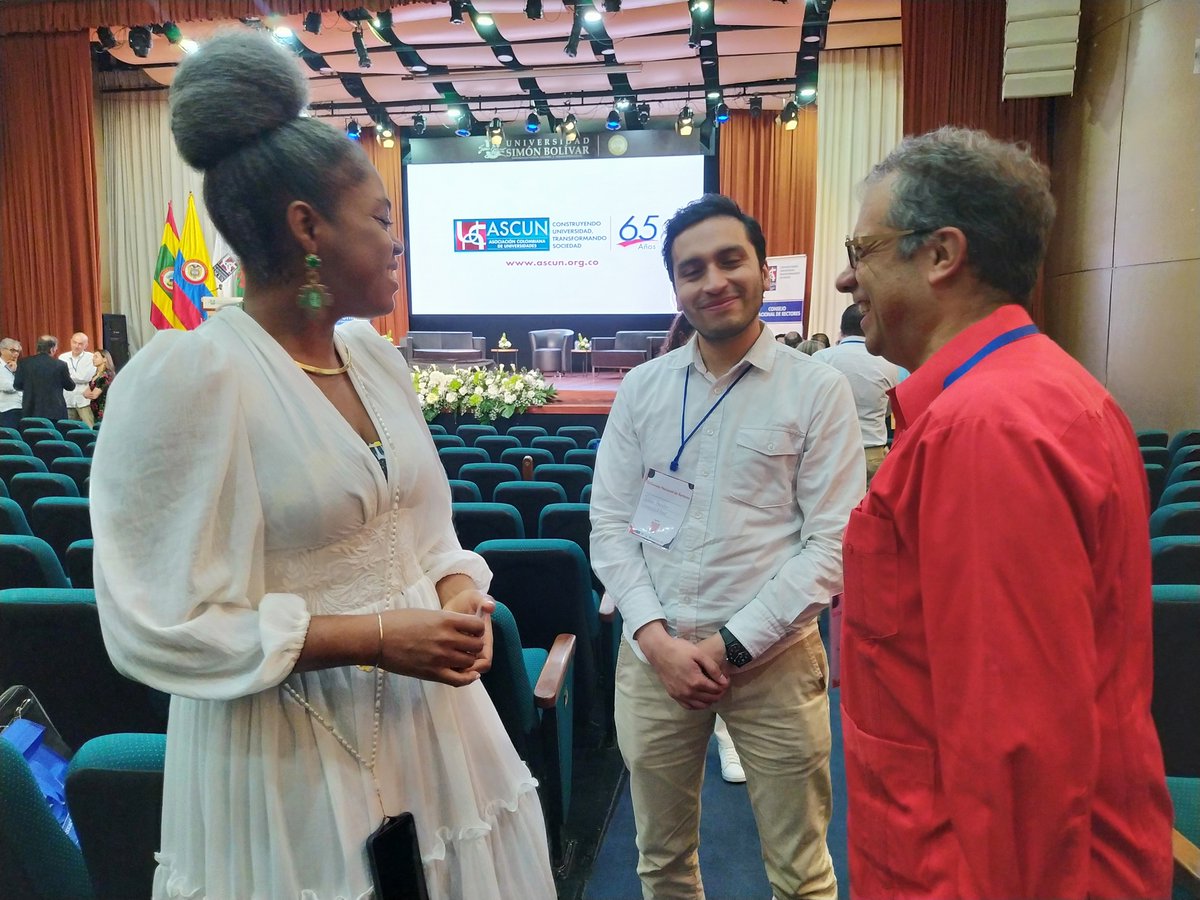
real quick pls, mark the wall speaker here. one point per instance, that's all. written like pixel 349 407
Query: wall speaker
pixel 116 339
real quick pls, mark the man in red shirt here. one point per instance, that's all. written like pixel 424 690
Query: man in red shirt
pixel 996 646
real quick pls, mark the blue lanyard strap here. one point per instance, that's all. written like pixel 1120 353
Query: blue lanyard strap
pixel 986 350
pixel 687 372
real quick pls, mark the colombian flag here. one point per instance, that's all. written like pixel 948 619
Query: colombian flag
pixel 162 294
pixel 194 279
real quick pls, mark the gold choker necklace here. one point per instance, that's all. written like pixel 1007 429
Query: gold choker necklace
pixel 317 370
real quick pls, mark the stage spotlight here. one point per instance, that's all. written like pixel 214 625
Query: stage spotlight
pixel 699 6
pixel 790 115
pixel 312 22
pixel 808 93
pixel 463 130
pixel 685 121
pixel 484 20
pixel 388 142
pixel 532 124
pixel 755 107
pixel 187 45
pixel 172 32
pixel 140 40
pixel 105 36
pixel 418 125
pixel 643 113
pixel 612 5
pixel 569 124
pixel 533 9
pixel 623 103
pixel 456 12
pixel 721 113
pixel 592 16
pixel 495 132
pixel 360 47
pixel 352 130
pixel 613 122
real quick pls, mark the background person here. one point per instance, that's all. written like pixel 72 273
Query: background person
pixel 79 363
pixel 97 390
pixel 43 381
pixel 722 618
pixel 10 397
pixel 996 639
pixel 299 591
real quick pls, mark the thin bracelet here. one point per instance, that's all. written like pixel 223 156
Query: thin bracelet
pixel 379 653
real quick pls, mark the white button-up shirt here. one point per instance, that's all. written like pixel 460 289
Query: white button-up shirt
pixel 10 397
pixel 871 377
pixel 777 468
pixel 83 370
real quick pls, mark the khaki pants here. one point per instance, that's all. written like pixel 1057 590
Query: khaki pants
pixel 778 715
pixel 875 457
pixel 82 414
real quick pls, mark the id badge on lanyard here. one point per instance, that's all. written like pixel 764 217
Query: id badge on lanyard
pixel 661 509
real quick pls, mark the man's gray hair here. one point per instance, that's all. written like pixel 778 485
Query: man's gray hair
pixel 995 192
pixel 9 343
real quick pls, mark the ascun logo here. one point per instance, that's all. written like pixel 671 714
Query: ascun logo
pixel 509 235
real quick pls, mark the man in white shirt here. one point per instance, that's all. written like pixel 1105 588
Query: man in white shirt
pixel 79 361
pixel 10 397
pixel 871 377
pixel 737 462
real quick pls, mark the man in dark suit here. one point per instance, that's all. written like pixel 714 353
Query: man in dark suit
pixel 42 379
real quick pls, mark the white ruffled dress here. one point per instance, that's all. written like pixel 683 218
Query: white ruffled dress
pixel 231 502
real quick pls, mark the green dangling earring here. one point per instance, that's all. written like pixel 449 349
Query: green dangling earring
pixel 312 295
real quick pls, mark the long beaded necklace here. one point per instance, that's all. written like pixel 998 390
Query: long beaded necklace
pixel 369 765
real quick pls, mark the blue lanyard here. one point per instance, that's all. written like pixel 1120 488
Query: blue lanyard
pixel 986 350
pixel 687 372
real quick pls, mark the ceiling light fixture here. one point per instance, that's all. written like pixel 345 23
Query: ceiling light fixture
pixel 714 95
pixel 721 113
pixel 353 131
pixel 495 132
pixel 312 22
pixel 484 20
pixel 360 47
pixel 140 40
pixel 418 125
pixel 808 92
pixel 456 12
pixel 699 6
pixel 685 121
pixel 623 103
pixel 592 16
pixel 643 113
pixel 104 35
pixel 419 68
pixel 613 122
pixel 533 9
pixel 187 45
pixel 282 32
pixel 172 32
pixel 459 76
pixel 532 125
pixel 790 115
pixel 755 106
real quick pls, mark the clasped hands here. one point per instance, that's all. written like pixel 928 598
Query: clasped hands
pixel 452 645
pixel 695 675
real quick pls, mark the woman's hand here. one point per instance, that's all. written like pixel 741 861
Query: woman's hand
pixel 475 602
pixel 435 645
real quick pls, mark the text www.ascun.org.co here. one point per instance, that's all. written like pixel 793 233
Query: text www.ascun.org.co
pixel 552 262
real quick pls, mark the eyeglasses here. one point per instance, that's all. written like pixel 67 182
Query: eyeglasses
pixel 858 247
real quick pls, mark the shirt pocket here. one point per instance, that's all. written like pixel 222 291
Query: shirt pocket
pixel 870 566
pixel 762 466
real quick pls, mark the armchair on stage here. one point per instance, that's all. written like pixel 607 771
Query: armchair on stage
pixel 626 349
pixel 551 348
pixel 449 348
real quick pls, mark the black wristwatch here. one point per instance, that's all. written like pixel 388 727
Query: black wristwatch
pixel 734 651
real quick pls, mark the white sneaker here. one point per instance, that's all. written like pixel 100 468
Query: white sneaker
pixel 731 765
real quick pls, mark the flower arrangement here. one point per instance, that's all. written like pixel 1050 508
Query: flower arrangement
pixel 582 343
pixel 487 394
pixel 504 343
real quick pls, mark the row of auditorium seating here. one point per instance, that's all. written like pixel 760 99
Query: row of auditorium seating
pixel 582 435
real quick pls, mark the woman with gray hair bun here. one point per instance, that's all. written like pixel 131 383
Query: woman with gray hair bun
pixel 274 545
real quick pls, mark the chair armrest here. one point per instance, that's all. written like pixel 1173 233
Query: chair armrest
pixel 554 672
pixel 480 344
pixel 1187 863
pixel 604 343
pixel 527 468
pixel 404 345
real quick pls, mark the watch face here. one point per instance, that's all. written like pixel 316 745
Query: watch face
pixel 737 655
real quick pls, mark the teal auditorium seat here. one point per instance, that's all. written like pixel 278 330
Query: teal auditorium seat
pixel 442 441
pixel 487 475
pixel 29 487
pixel 49 451
pixel 1152 437
pixel 454 458
pixel 514 457
pixel 1175 559
pixel 12 518
pixel 1186 472
pixel 581 458
pixel 462 491
pixel 1188 454
pixel 436 429
pixel 1180 492
pixel 1156 480
pixel 475 523
pixel 9 434
pixel 1189 437
pixel 1175 518
pixel 1171 592
pixel 78 469
pixel 81 437
pixel 60 521
pixel 37 859
pixel 533 692
pixel 558 446
pixel 573 479
pixel 115 793
pixel 34 422
pixel 495 444
pixel 1157 456
pixel 11 447
pixel 28 562
pixel 530 498
pixel 32 435
pixel 469 433
pixel 526 433
pixel 547 587
pixel 12 465
pixel 50 641
pixel 580 434
pixel 79 563
pixel 65 425
pixel 585 496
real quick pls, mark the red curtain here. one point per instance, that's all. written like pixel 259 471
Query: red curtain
pixel 953 53
pixel 772 174
pixel 49 245
pixel 387 162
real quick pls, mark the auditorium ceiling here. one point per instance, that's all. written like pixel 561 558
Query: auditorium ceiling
pixel 652 55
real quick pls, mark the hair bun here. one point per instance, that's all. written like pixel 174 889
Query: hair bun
pixel 237 87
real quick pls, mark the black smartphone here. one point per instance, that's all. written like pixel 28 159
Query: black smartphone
pixel 395 858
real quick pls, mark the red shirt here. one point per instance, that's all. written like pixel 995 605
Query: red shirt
pixel 996 645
